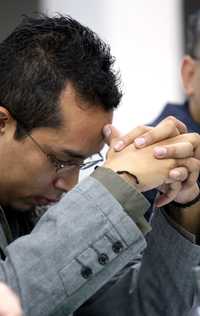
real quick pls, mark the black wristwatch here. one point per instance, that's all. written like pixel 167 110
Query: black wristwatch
pixel 188 204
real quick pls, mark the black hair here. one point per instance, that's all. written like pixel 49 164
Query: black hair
pixel 40 57
pixel 193 35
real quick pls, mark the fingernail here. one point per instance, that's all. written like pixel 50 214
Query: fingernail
pixel 107 131
pixel 140 141
pixel 160 151
pixel 119 145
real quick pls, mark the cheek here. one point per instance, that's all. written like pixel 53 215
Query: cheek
pixel 66 181
pixel 26 170
pixel 75 178
pixel 36 171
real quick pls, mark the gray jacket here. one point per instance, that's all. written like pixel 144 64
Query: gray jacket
pixel 162 284
pixel 80 244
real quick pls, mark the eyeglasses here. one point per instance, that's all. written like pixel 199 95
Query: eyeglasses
pixel 61 165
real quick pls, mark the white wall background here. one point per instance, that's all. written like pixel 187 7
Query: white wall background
pixel 145 36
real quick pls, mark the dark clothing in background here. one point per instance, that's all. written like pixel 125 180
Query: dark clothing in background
pixel 181 112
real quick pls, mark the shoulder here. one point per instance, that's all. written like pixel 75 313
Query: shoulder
pixel 177 110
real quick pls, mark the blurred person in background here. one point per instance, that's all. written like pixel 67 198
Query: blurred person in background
pixel 189 111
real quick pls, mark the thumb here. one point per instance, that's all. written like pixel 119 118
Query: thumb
pixel 111 135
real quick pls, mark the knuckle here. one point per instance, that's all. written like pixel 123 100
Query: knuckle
pixel 190 148
pixel 171 152
pixel 126 139
pixel 136 132
pixel 191 180
pixel 150 137
pixel 184 126
pixel 171 126
pixel 141 128
pixel 170 123
pixel 197 164
pixel 171 118
pixel 172 164
pixel 194 164
pixel 196 137
pixel 176 126
pixel 186 149
pixel 146 132
pixel 193 138
pixel 175 185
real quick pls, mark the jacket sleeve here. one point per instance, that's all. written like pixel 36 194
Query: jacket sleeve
pixel 162 284
pixel 76 247
pixel 165 282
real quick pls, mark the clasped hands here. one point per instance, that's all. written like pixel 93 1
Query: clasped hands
pixel 165 157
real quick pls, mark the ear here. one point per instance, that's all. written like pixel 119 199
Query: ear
pixel 188 73
pixel 6 119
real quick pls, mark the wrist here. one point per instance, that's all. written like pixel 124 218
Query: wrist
pixel 188 217
pixel 187 204
pixel 129 178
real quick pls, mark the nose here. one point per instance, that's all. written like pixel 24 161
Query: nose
pixel 66 182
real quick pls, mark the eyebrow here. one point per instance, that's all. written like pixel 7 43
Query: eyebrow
pixel 77 154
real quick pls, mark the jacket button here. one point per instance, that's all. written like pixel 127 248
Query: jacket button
pixel 103 259
pixel 86 272
pixel 117 246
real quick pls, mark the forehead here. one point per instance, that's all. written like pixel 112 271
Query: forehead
pixel 82 124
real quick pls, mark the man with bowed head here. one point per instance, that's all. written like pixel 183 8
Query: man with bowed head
pixel 58 92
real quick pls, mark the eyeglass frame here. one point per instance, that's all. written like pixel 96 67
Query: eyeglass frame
pixel 57 163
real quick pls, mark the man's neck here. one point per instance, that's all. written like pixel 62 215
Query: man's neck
pixel 194 110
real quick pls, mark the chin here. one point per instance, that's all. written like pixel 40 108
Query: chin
pixel 21 206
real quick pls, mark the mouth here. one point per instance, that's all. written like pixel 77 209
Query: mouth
pixel 43 200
